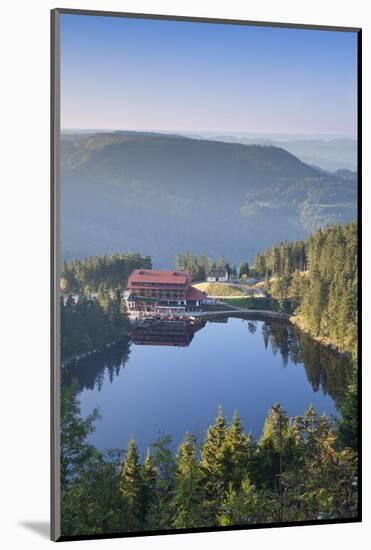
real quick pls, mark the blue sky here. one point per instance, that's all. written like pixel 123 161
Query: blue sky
pixel 121 73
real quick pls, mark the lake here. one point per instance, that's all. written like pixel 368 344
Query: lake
pixel 240 364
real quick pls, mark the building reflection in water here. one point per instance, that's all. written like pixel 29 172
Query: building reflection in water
pixel 324 367
pixel 164 333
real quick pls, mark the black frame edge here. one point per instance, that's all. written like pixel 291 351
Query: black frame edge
pixel 359 286
pixel 309 523
pixel 196 19
pixel 55 530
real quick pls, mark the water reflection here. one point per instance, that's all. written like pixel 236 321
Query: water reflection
pixel 90 372
pixel 164 333
pixel 325 369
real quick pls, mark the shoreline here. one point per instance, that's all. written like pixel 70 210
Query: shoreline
pixel 68 362
pixel 259 313
pixel 253 314
pixel 320 339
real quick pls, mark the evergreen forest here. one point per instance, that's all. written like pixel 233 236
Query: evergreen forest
pixel 299 469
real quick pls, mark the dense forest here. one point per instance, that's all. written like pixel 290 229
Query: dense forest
pixel 299 469
pixel 199 266
pixel 317 281
pixel 88 274
pixel 282 259
pixel 87 324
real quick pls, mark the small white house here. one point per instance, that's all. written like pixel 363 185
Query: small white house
pixel 218 275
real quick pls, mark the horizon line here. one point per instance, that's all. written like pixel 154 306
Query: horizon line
pixel 216 132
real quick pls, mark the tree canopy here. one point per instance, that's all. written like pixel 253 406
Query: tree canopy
pixel 299 469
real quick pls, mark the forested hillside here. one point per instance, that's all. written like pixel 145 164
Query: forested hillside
pixel 298 470
pixel 89 274
pixel 329 295
pixel 318 279
pixel 88 324
pixel 328 154
pixel 162 194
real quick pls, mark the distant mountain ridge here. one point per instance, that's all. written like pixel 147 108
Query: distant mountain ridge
pixel 162 194
pixel 328 154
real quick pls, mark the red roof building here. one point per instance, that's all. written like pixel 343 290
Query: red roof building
pixel 194 295
pixel 166 285
pixel 162 292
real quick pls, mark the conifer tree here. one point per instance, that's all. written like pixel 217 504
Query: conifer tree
pixel 296 290
pixel 347 425
pixel 188 501
pixel 244 269
pixel 212 448
pixel 240 445
pixel 163 460
pixel 216 464
pixel 131 486
pixel 240 506
pixel 317 477
pixel 149 494
pixel 270 460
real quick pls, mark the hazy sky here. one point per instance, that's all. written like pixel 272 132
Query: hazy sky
pixel 167 75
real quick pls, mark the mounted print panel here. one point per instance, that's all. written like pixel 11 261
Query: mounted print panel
pixel 205 192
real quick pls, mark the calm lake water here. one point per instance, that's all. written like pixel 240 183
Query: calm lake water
pixel 145 390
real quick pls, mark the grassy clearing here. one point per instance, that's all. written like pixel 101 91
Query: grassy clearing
pixel 219 289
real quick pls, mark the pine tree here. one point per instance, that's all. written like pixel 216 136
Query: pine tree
pixel 240 445
pixel 131 486
pixel 298 471
pixel 241 506
pixel 149 493
pixel 296 290
pixel 244 269
pixel 222 262
pixel 212 447
pixel 165 464
pixel 75 450
pixel 270 459
pixel 347 425
pixel 188 501
pixel 216 464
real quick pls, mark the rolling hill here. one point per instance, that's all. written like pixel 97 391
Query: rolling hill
pixel 329 154
pixel 162 194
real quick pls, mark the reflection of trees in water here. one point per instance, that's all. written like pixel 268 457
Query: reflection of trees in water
pixel 252 326
pixel 90 371
pixel 325 368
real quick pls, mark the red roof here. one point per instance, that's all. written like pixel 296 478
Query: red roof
pixel 195 294
pixel 160 276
